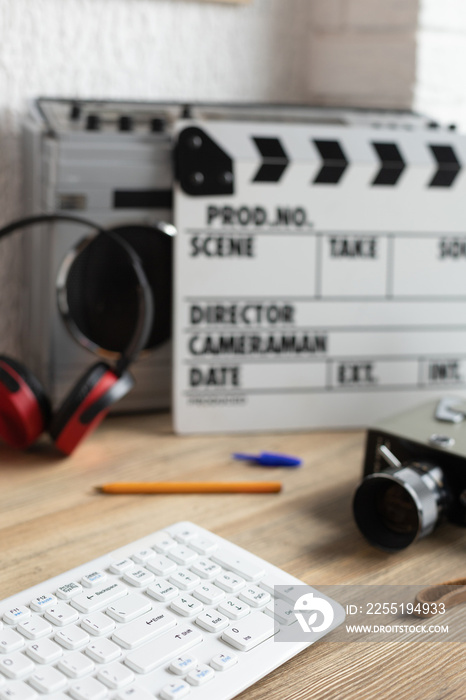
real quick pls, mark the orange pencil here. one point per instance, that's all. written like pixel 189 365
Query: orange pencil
pixel 192 487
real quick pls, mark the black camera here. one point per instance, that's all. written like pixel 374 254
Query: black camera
pixel 414 475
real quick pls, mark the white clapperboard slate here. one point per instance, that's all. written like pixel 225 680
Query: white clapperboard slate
pixel 320 273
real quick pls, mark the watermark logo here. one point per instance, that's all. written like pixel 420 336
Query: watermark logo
pixel 365 614
pixel 307 609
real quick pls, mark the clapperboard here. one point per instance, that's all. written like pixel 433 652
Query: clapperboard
pixel 320 276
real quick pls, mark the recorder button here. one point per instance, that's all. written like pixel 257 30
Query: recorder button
pixel 75 112
pixel 93 122
pixel 157 125
pixel 125 123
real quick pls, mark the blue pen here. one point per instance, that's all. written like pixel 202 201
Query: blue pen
pixel 269 459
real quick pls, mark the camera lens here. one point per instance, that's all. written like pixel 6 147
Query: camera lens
pixel 395 507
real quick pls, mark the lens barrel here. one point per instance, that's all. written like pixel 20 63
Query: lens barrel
pixel 395 507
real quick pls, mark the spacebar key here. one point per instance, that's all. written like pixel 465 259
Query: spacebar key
pixel 163 649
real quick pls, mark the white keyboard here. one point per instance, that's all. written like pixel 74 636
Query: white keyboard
pixel 180 613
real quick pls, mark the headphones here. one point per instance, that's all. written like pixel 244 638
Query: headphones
pixel 102 278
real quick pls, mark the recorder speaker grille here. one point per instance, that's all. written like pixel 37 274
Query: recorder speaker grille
pixel 101 293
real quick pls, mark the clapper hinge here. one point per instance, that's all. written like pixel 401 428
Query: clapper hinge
pixel 201 166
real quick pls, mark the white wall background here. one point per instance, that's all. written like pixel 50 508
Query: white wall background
pixel 441 61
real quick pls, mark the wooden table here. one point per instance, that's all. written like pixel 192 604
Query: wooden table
pixel 52 519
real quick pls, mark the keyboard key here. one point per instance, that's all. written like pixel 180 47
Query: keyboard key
pixel 203 545
pixel 88 689
pixel 221 662
pixel 97 598
pixel 183 664
pixel 254 596
pixel 144 628
pixel 162 542
pixel 162 590
pixel 43 601
pixel 44 651
pixel 94 578
pixel 288 592
pixel 186 534
pixel 16 665
pixel 234 608
pixel 97 624
pixel 241 566
pixel 161 650
pixel 69 590
pixel 281 611
pixel 120 566
pixel 200 675
pixel 75 664
pixel 48 680
pixel 186 605
pixel 212 621
pixel 61 614
pixel 34 627
pixel 185 579
pixel 230 583
pixel 209 594
pixel 143 556
pixel 248 633
pixel 115 675
pixel 161 565
pixel 103 651
pixel 17 690
pixel 15 615
pixel 134 693
pixel 206 568
pixel 129 607
pixel 139 577
pixel 182 555
pixel 10 641
pixel 172 691
pixel 72 637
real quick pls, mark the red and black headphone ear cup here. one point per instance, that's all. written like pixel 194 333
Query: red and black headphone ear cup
pixel 87 404
pixel 24 406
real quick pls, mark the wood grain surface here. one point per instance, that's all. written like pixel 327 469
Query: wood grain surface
pixel 52 519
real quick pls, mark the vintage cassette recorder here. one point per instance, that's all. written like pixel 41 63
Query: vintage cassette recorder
pixel 261 187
